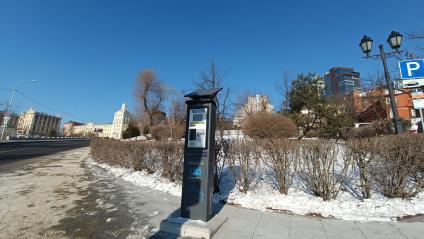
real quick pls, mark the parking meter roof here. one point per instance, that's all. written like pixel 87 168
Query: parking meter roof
pixel 204 93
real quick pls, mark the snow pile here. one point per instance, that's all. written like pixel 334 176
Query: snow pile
pixel 346 206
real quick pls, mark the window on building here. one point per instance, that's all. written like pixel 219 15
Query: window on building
pixel 417 113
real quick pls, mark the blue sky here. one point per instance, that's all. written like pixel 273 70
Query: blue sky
pixel 86 55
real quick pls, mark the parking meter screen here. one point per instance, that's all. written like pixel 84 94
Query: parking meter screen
pixel 197 128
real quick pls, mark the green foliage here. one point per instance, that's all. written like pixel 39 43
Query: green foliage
pixel 315 115
pixel 306 92
pixel 131 131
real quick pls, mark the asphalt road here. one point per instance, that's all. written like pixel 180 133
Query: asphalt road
pixel 14 155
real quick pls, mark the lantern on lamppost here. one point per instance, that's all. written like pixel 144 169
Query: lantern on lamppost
pixel 394 40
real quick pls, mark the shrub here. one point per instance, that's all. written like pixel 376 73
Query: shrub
pixel 164 131
pixel 103 150
pixel 244 162
pixel 359 133
pixel 269 125
pixel 166 157
pixel 358 151
pixel 171 157
pixel 281 155
pixel 397 164
pixel 151 161
pixel 222 150
pixel 160 131
pixel 319 168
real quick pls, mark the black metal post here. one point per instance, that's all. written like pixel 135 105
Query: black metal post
pixel 396 119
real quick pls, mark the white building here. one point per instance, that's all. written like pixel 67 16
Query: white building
pixel 34 123
pixel 254 104
pixel 120 122
pixel 114 130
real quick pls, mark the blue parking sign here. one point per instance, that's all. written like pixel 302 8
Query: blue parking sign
pixel 411 69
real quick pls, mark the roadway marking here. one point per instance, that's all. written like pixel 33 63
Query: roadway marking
pixel 8 151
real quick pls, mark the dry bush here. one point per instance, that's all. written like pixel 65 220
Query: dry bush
pixel 358 151
pixel 281 155
pixel 160 131
pixel 166 157
pixel 178 130
pixel 397 164
pixel 164 131
pixel 319 168
pixel 244 162
pixel 269 125
pixel 151 160
pixel 383 126
pixel 137 155
pixel 171 157
pixel 359 133
pixel 106 151
pixel 222 150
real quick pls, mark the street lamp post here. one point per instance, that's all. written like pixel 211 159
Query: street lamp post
pixel 9 106
pixel 394 40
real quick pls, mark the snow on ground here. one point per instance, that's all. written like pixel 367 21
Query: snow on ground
pixel 143 179
pixel 345 206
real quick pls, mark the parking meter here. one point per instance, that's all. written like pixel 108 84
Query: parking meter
pixel 199 155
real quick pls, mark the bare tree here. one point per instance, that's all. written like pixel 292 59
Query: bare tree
pixel 177 118
pixel 374 98
pixel 241 101
pixel 150 93
pixel 283 88
pixel 214 79
pixel 417 50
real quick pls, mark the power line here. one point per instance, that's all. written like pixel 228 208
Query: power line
pixel 47 107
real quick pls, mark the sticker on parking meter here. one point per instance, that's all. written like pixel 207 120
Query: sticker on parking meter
pixel 195 172
pixel 197 128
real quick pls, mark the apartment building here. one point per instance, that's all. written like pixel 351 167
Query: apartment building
pixel 33 123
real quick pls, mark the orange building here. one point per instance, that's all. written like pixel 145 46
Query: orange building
pixel 376 105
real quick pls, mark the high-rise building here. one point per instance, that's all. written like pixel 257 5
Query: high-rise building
pixel 341 81
pixel 120 122
pixel 35 123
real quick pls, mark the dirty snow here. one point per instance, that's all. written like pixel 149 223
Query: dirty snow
pixel 141 178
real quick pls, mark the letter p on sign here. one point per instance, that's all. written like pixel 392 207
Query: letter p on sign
pixel 412 66
pixel 412 69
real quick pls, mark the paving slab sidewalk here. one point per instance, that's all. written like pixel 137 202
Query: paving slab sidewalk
pixel 245 223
